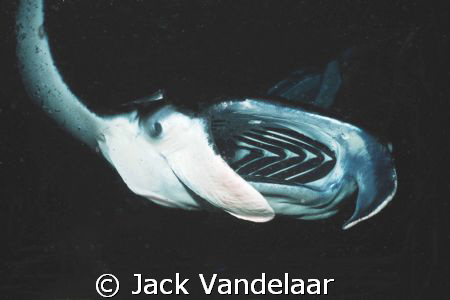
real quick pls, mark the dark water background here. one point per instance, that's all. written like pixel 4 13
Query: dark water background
pixel 66 217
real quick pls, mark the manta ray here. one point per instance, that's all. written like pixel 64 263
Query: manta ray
pixel 253 158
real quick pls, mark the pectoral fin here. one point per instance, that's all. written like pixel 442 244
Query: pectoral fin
pixel 193 160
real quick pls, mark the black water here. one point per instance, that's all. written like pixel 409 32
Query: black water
pixel 66 217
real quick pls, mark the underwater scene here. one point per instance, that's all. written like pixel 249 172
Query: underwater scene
pixel 251 149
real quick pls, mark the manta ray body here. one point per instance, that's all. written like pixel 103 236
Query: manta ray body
pixel 252 158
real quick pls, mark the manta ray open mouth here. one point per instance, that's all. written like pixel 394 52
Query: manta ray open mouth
pixel 304 163
pixel 263 150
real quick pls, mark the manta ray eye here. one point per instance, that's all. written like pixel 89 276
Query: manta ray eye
pixel 156 130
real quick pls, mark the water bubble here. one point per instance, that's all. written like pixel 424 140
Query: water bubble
pixel 390 147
